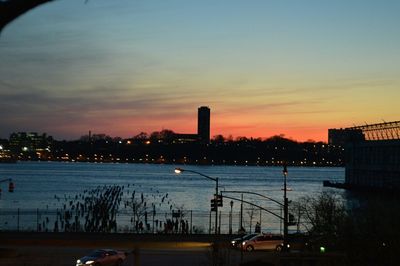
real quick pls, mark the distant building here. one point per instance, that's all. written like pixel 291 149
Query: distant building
pixel 184 138
pixel 32 142
pixel 203 124
pixel 5 154
pixel 203 128
pixel 341 136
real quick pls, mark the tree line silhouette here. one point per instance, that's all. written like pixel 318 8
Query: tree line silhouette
pixel 167 147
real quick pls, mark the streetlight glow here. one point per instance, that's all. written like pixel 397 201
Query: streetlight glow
pixel 178 170
pixel 285 171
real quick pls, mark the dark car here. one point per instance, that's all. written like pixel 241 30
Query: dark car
pixel 103 257
pixel 297 242
pixel 236 242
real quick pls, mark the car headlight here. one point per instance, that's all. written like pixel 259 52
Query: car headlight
pixel 244 243
pixel 78 261
pixel 233 242
pixel 89 262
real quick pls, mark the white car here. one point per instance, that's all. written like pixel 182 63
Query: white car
pixel 263 242
pixel 236 242
pixel 103 257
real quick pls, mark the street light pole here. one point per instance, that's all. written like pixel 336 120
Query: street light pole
pixel 285 209
pixel 230 218
pixel 216 205
pixel 180 170
pixel 215 248
pixel 241 213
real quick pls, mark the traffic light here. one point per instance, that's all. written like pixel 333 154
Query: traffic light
pixel 213 207
pixel 219 200
pixel 292 220
pixel 216 201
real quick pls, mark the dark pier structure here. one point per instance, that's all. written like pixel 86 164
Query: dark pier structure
pixel 372 155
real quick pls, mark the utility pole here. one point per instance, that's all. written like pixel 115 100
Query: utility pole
pixel 230 218
pixel 285 209
pixel 216 205
pixel 241 213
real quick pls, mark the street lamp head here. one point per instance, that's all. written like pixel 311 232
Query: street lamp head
pixel 231 203
pixel 285 171
pixel 178 170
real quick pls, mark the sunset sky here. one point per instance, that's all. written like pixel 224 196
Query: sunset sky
pixel 264 67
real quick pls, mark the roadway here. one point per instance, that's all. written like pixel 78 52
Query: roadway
pixel 62 249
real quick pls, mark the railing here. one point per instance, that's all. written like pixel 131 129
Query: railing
pixel 182 222
pixel 380 131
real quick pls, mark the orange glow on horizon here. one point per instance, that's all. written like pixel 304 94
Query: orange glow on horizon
pixel 226 126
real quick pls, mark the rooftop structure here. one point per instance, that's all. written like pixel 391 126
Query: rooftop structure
pixel 381 131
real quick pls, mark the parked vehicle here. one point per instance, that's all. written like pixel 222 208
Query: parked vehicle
pixel 263 242
pixel 236 242
pixel 103 257
pixel 297 242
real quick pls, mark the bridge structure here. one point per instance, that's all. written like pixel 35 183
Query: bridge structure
pixel 381 131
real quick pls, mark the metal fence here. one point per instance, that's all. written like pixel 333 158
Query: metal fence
pixel 173 222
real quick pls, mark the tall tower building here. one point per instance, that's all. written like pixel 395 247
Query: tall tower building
pixel 203 124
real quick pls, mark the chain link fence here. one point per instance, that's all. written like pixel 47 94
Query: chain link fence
pixel 172 222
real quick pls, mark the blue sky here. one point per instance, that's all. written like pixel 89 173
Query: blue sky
pixel 264 67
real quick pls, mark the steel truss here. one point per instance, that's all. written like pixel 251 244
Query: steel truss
pixel 381 131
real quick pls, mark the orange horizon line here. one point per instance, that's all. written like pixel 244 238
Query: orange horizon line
pixel 234 137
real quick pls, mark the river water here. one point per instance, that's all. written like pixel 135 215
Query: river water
pixel 48 185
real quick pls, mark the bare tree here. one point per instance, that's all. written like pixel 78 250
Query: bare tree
pixel 141 136
pixel 324 214
pixel 139 211
pixel 367 232
pixel 250 213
